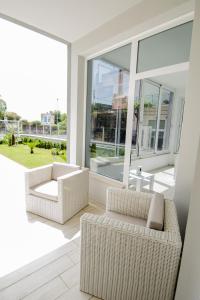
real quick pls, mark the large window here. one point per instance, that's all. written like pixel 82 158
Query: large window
pixel 152 118
pixel 131 114
pixel 107 100
pixel 165 48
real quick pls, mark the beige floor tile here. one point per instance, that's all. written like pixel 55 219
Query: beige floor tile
pixel 37 264
pixel 72 276
pixel 75 256
pixel 74 294
pixel 49 291
pixel 32 282
pixel 77 241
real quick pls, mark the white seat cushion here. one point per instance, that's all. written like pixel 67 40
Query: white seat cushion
pixel 47 190
pixel 127 219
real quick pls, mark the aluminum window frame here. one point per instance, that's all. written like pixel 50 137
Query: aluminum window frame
pixel 134 76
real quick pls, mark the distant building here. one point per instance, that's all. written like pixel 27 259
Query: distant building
pixel 47 118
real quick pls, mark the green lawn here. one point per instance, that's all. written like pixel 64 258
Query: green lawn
pixel 21 154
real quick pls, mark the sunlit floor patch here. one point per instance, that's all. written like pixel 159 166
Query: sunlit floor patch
pixel 25 237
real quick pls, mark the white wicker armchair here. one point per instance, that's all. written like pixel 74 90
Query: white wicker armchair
pixel 56 191
pixel 122 261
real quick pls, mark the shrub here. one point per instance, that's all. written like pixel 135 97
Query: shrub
pixel 45 144
pixel 63 155
pixel 32 145
pixel 93 148
pixel 9 139
pixel 55 151
pixel 63 146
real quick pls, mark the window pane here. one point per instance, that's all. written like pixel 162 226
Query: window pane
pixel 166 48
pixel 148 117
pixel 107 99
pixel 136 115
pixel 165 119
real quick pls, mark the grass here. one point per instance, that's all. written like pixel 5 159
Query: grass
pixel 21 154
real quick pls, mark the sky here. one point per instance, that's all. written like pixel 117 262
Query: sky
pixel 33 71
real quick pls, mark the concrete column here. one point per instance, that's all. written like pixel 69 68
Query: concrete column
pixel 188 282
pixel 190 129
pixel 77 109
pixel 188 180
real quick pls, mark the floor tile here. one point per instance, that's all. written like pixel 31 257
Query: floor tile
pixel 75 256
pixel 32 282
pixel 74 294
pixel 72 276
pixel 37 264
pixel 49 291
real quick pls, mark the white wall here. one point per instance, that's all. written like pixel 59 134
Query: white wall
pixel 188 287
pixel 190 130
pixel 77 108
pixel 153 162
pixel 97 188
pixel 139 18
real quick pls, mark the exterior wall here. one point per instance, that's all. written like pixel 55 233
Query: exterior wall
pixel 145 15
pixel 188 283
pixel 77 110
pixel 153 162
pixel 140 18
pixel 47 118
pixel 190 130
pixel 97 188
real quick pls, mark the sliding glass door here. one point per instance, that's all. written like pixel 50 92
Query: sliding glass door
pixel 107 101
pixel 151 126
pixel 130 107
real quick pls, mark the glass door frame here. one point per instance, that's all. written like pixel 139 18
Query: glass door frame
pixel 134 76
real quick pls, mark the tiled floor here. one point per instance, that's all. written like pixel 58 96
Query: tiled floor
pixel 39 259
pixel 164 181
pixel 54 275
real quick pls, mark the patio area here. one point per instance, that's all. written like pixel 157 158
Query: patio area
pixel 40 258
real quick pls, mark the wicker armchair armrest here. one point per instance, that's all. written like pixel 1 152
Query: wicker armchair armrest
pixel 73 190
pixel 128 202
pixel 37 175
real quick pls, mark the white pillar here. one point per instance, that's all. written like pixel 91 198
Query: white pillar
pixel 188 282
pixel 188 183
pixel 190 129
pixel 77 109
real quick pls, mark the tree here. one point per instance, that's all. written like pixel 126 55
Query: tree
pixel 3 108
pixel 12 116
pixel 35 123
pixel 57 116
pixel 32 145
pixel 63 117
pixel 25 122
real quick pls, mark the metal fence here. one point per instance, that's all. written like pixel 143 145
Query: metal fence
pixel 8 126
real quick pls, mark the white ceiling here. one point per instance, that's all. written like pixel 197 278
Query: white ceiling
pixel 176 81
pixel 67 19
